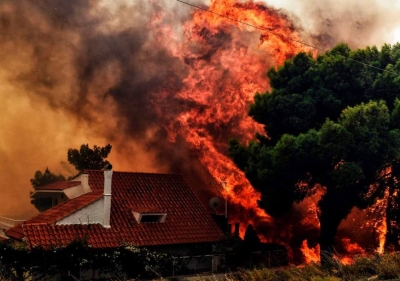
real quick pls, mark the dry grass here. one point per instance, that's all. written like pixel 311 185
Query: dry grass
pixel 383 267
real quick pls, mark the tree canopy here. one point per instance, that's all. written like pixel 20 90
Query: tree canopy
pixel 42 178
pixel 89 158
pixel 84 158
pixel 329 121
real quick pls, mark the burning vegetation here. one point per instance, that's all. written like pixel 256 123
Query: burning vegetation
pixel 168 85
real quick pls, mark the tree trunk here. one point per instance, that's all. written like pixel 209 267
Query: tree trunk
pixel 391 237
pixel 329 222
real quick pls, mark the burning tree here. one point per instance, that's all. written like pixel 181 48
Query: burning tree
pixel 332 122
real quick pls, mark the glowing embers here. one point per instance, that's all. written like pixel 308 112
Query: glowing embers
pixel 149 217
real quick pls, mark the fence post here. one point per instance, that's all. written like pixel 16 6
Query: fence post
pixel 214 263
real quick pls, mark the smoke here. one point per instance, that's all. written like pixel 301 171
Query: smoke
pixel 74 73
pixel 66 69
pixel 358 23
pixel 157 80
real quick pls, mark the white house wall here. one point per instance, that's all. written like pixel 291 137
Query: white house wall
pixel 90 214
pixel 74 191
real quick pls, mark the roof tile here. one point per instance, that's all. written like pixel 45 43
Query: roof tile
pixel 59 185
pixel 187 219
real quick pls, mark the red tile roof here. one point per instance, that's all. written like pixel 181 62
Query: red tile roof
pixel 59 185
pixel 47 235
pixel 187 220
pixel 56 213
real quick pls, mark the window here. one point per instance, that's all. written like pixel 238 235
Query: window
pixel 149 217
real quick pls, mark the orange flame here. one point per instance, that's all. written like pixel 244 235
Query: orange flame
pixel 352 250
pixel 310 254
pixel 380 225
pixel 226 62
pixel 226 65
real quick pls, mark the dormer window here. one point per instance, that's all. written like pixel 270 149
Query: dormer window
pixel 149 217
pixel 153 217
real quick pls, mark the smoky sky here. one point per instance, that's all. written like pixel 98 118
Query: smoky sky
pixel 97 72
pixel 357 23
pixel 92 71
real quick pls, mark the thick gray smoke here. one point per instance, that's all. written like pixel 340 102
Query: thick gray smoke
pixel 359 23
pixel 76 72
pixel 84 72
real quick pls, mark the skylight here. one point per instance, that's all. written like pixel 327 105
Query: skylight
pixel 149 217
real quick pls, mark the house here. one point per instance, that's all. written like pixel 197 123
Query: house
pixel 115 208
pixel 55 193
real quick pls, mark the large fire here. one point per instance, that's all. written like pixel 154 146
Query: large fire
pixel 159 84
pixel 227 63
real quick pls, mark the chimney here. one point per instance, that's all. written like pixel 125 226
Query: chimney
pixel 107 196
pixel 85 183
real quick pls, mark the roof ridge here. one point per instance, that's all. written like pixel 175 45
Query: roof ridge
pixel 59 185
pixel 60 206
pixel 141 173
pixel 35 223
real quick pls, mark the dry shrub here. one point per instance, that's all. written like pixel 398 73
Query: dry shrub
pixel 363 266
pixel 258 274
pixel 292 273
pixel 389 266
pixel 326 278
